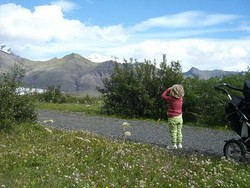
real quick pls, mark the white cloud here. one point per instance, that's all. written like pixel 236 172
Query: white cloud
pixel 46 30
pixel 46 23
pixel 45 33
pixel 188 19
pixel 204 54
pixel 66 6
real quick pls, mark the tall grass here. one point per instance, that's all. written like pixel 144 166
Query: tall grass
pixel 91 109
pixel 35 156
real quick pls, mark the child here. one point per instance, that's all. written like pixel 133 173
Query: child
pixel 174 97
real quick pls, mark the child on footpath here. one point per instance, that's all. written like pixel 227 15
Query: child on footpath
pixel 174 97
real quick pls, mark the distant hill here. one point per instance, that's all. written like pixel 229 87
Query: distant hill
pixel 74 73
pixel 8 60
pixel 206 74
pixel 66 72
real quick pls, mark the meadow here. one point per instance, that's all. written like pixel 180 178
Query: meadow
pixel 32 155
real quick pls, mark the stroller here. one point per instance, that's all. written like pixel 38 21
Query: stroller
pixel 238 114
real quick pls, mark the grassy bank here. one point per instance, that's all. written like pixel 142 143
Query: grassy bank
pixel 32 155
pixel 35 156
pixel 91 109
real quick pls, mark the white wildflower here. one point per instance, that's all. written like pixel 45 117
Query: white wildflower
pixel 48 121
pixel 126 124
pixel 127 133
pixel 79 138
pixel 87 140
pixel 223 158
pixel 47 129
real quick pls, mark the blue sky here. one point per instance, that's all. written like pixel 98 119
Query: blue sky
pixel 206 34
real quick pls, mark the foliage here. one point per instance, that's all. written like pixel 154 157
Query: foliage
pixel 87 99
pixel 52 94
pixel 91 109
pixel 134 89
pixel 38 156
pixel 14 107
pixel 206 106
pixel 202 103
pixel 168 75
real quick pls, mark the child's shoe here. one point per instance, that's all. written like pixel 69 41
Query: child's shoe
pixel 172 147
pixel 179 146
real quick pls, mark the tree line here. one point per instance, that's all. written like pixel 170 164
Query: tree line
pixel 134 91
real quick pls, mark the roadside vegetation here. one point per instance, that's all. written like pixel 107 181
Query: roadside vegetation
pixel 37 156
pixel 33 155
pixel 134 90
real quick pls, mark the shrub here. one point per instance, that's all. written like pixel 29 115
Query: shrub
pixel 202 103
pixel 14 107
pixel 134 89
pixel 53 94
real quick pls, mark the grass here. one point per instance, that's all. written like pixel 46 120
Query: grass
pixel 32 155
pixel 35 156
pixel 91 109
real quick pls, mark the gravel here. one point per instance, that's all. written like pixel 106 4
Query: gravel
pixel 201 140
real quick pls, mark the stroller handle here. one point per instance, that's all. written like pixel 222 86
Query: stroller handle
pixel 222 85
pixel 221 88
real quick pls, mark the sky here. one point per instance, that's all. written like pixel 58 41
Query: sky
pixel 206 34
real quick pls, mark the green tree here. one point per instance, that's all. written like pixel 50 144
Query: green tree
pixel 168 75
pixel 134 88
pixel 53 94
pixel 14 107
pixel 206 106
pixel 202 103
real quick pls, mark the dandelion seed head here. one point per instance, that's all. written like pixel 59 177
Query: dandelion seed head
pixel 48 121
pixel 126 124
pixel 127 133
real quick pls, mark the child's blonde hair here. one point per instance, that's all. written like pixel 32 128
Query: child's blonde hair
pixel 177 91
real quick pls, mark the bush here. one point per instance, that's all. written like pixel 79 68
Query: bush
pixel 202 103
pixel 53 94
pixel 14 107
pixel 134 89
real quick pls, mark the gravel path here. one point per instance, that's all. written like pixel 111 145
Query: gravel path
pixel 194 139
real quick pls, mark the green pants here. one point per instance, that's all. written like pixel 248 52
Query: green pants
pixel 175 126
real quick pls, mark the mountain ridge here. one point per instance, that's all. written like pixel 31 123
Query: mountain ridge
pixel 74 73
pixel 206 74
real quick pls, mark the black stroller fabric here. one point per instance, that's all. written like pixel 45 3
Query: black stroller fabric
pixel 232 114
pixel 243 104
pixel 246 91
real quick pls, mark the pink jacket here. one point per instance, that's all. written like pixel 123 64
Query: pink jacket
pixel 174 104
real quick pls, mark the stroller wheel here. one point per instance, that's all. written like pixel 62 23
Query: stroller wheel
pixel 234 150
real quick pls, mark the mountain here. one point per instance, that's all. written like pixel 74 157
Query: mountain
pixel 74 73
pixel 66 72
pixel 5 49
pixel 8 60
pixel 206 74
